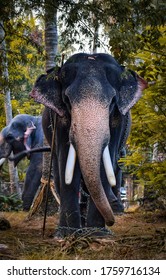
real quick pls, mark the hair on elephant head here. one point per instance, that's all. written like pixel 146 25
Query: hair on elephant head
pixel 92 96
pixel 23 133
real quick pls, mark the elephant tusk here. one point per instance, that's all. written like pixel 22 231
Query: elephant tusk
pixel 2 160
pixel 108 167
pixel 71 159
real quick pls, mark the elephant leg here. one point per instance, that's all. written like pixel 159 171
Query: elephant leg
pixel 96 221
pixel 114 201
pixel 32 180
pixel 47 124
pixel 118 205
pixel 94 218
pixel 56 174
pixel 90 216
pixel 116 190
pixel 69 220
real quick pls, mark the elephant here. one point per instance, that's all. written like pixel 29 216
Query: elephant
pixel 91 96
pixel 23 133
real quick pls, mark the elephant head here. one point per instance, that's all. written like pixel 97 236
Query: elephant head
pixel 88 88
pixel 19 136
pixel 16 136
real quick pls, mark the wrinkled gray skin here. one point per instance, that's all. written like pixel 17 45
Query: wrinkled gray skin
pixel 91 96
pixel 24 132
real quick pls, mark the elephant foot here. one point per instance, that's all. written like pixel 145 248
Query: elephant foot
pixel 26 208
pixel 27 202
pixel 117 207
pixel 62 232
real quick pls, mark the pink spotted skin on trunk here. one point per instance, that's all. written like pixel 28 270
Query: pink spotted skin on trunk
pixel 89 125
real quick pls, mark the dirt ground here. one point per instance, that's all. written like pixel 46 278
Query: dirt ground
pixel 136 235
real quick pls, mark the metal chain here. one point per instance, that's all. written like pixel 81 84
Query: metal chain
pixel 84 193
pixel 85 230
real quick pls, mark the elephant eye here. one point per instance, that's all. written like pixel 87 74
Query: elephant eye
pixel 17 127
pixel 40 77
pixel 14 126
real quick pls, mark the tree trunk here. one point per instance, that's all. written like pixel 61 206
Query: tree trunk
pixel 51 34
pixel 51 42
pixel 96 31
pixel 13 173
pixel 95 39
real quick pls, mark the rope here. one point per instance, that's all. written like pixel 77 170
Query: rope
pixel 37 201
pixel 52 188
pixel 39 196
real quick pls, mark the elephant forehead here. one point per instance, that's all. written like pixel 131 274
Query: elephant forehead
pixel 90 86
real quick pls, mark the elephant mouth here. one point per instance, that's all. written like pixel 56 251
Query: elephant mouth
pixel 71 160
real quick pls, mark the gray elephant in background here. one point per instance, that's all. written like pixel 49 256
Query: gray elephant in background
pixel 91 96
pixel 24 132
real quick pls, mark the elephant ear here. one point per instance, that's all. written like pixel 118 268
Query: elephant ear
pixel 130 91
pixel 47 91
pixel 5 148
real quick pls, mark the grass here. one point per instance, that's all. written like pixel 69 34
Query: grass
pixel 137 235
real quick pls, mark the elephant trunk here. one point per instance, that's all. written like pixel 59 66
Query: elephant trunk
pixel 90 134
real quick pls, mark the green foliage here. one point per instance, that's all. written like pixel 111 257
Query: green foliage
pixel 25 46
pixel 10 202
pixel 22 168
pixel 2 113
pixel 123 25
pixel 4 172
pixel 129 33
pixel 147 157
